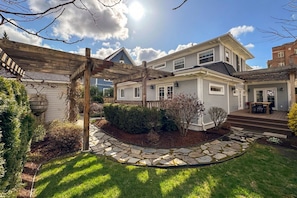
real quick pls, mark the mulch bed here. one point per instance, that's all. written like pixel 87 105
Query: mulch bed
pixel 40 152
pixel 172 139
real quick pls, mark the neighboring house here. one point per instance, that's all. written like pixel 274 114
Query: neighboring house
pixel 52 86
pixel 121 56
pixel 283 55
pixel 204 70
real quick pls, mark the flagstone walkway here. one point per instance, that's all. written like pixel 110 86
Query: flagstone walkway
pixel 211 152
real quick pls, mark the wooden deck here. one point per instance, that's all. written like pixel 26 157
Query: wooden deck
pixel 276 115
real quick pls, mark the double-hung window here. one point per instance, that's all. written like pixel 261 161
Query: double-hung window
pixel 136 92
pixel 179 64
pixel 206 57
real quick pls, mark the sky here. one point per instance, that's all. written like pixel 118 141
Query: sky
pixel 150 29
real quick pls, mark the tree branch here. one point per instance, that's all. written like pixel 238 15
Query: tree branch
pixel 180 5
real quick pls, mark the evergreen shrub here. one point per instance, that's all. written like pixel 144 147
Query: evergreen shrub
pixel 17 124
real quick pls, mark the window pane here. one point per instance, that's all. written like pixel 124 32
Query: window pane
pixel 206 57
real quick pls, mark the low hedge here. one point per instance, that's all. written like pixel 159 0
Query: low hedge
pixel 137 119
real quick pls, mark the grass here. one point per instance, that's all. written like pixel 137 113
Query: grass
pixel 262 172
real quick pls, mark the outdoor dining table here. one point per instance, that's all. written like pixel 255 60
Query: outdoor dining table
pixel 265 104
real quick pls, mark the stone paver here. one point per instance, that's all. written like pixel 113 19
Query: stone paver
pixel 210 152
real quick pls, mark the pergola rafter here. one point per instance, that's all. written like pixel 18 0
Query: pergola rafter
pixel 45 60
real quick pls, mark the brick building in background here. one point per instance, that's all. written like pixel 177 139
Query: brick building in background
pixel 283 55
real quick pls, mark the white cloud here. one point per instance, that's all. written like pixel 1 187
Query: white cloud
pixel 249 46
pixel 97 22
pixel 15 35
pixel 237 31
pixel 146 54
pixel 255 67
pixel 181 47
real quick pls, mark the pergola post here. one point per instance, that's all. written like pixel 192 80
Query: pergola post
pixel 72 117
pixel 87 74
pixel 115 92
pixel 292 85
pixel 144 79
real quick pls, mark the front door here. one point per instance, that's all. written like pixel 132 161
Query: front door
pixel 266 95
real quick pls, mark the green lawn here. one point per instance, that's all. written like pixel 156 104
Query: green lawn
pixel 262 172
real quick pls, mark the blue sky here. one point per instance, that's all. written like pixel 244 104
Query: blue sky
pixel 158 30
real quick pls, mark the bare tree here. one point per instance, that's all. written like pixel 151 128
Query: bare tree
pixel 16 13
pixel 183 109
pixel 288 27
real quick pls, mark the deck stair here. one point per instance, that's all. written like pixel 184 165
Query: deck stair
pixel 260 124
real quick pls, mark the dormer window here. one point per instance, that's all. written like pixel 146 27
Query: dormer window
pixel 206 57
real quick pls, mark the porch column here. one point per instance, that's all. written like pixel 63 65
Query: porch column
pixel 144 79
pixel 292 85
pixel 87 74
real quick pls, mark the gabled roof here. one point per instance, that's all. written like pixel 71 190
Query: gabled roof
pixel 111 56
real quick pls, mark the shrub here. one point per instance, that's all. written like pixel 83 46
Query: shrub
pixel 167 123
pixel 217 115
pixel 292 118
pixel 183 108
pixel 17 128
pixel 132 119
pixel 65 136
pixel 39 133
pixel 98 99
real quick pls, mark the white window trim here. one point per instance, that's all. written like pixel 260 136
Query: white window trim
pixel 121 93
pixel 163 65
pixel 198 57
pixel 229 52
pixel 184 60
pixel 134 92
pixel 221 87
pixel 106 80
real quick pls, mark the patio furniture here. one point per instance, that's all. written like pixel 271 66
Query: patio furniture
pixel 260 107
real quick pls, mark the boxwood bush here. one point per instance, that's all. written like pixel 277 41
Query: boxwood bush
pixel 137 119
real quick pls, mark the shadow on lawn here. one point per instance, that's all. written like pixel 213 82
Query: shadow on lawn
pixel 261 172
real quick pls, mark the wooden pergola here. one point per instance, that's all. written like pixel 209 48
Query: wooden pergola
pixel 287 73
pixel 45 60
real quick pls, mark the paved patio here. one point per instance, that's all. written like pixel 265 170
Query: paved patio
pixel 215 151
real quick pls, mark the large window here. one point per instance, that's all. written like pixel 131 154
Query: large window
pixel 206 57
pixel 136 92
pixel 179 64
pixel 216 89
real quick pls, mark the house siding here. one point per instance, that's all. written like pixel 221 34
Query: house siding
pixel 214 100
pixel 56 99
